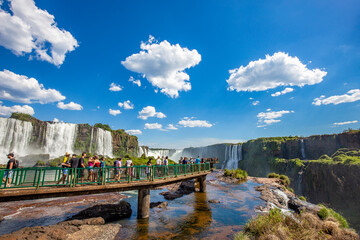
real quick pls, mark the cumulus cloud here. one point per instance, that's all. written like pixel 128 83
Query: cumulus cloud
pixel 269 117
pixel 136 82
pixel 191 122
pixel 28 29
pixel 134 132
pixel 150 111
pixel 351 96
pixel 254 103
pixel 126 105
pixel 285 91
pixel 115 87
pixel 345 123
pixel 171 127
pixel 277 70
pixel 156 126
pixel 6 111
pixel 69 106
pixel 164 64
pixel 114 112
pixel 20 88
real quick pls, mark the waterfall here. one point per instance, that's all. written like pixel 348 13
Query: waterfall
pixel 159 153
pixel 233 154
pixel 91 139
pixel 60 138
pixel 143 150
pixel 103 142
pixel 15 137
pixel 302 149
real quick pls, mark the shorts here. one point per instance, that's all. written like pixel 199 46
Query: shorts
pixel 117 171
pixel 9 174
pixel 91 169
pixel 65 171
pixel 81 173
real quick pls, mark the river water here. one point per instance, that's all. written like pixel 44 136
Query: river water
pixel 188 217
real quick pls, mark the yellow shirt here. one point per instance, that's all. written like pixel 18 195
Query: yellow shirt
pixel 65 160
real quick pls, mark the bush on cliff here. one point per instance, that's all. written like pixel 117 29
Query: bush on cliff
pixel 284 179
pixel 275 225
pixel 22 116
pixel 326 213
pixel 237 173
pixel 273 175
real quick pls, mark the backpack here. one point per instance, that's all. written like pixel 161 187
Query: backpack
pixel 16 164
pixel 116 163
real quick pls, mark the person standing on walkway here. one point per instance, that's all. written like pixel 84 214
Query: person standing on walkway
pixel 81 166
pixel 102 170
pixel 74 162
pixel 65 165
pixel 11 165
pixel 90 169
pixel 118 165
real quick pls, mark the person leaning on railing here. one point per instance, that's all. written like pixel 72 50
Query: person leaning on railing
pixel 11 165
pixel 65 165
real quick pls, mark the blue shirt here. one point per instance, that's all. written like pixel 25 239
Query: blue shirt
pixel 197 160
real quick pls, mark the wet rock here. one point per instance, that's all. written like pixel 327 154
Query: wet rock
pixel 158 204
pixel 109 212
pixel 186 187
pixel 213 201
pixel 299 206
pixel 75 229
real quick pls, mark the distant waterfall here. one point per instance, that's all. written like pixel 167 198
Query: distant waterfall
pixel 143 150
pixel 103 142
pixel 159 153
pixel 60 138
pixel 15 137
pixel 233 154
pixel 302 149
pixel 91 139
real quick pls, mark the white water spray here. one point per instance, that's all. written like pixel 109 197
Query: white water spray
pixel 233 154
pixel 104 143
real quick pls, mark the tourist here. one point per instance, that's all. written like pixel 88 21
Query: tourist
pixel 166 162
pixel 118 165
pixel 197 160
pixel 81 166
pixel 181 160
pixel 158 161
pixel 148 168
pixel 74 162
pixel 90 169
pixel 101 172
pixel 129 164
pixel 96 168
pixel 65 165
pixel 11 165
pixel 185 160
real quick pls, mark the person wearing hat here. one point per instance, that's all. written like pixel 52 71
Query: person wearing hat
pixel 65 164
pixel 12 164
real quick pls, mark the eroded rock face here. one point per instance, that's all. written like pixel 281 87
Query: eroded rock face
pixel 109 212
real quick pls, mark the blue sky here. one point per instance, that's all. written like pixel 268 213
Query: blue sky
pixel 76 50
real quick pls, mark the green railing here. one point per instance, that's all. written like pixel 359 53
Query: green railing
pixel 37 177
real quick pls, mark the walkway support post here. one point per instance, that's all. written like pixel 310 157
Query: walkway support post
pixel 143 203
pixel 202 182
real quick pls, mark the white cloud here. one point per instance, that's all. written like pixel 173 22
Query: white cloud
pixel 153 126
pixel 134 132
pixel 7 111
pixel 285 91
pixel 163 65
pixel 351 96
pixel 136 82
pixel 277 70
pixel 20 88
pixel 126 105
pixel 171 127
pixel 29 29
pixel 255 103
pixel 268 117
pixel 114 112
pixel 55 120
pixel 115 87
pixel 150 111
pixel 345 123
pixel 69 106
pixel 190 122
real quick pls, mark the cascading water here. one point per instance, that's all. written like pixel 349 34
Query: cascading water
pixel 143 150
pixel 15 137
pixel 91 139
pixel 159 153
pixel 233 154
pixel 302 149
pixel 104 142
pixel 60 138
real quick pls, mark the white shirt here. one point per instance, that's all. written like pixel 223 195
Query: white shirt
pixel 128 163
pixel 158 161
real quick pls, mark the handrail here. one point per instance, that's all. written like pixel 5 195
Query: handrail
pixel 38 177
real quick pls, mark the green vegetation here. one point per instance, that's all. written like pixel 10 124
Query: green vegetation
pixel 273 175
pixel 326 213
pixel 22 116
pixel 347 156
pixel 103 126
pixel 284 180
pixel 40 163
pixel 275 225
pixel 302 198
pixel 237 173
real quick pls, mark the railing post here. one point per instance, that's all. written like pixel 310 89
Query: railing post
pixel 38 181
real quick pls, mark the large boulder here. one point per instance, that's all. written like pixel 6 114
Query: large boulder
pixel 158 204
pixel 109 212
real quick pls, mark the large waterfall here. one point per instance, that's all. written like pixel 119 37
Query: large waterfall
pixel 159 153
pixel 103 142
pixel 233 154
pixel 143 150
pixel 15 136
pixel 60 138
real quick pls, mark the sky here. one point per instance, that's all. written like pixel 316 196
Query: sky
pixel 184 73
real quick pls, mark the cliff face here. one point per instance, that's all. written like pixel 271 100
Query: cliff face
pixel 124 143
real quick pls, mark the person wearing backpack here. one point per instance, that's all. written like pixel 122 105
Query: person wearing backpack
pixel 11 165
